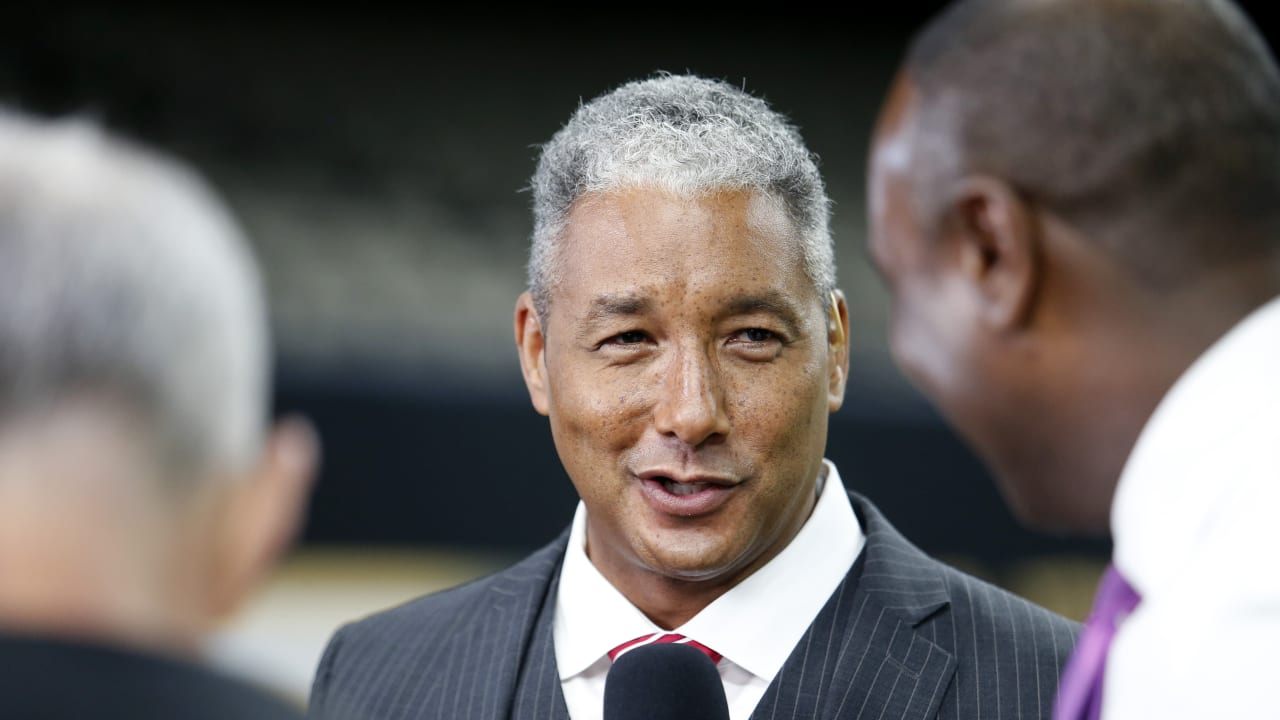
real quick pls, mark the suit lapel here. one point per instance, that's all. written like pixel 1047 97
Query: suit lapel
pixel 866 654
pixel 512 638
pixel 538 694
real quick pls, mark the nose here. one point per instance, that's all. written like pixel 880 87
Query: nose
pixel 690 406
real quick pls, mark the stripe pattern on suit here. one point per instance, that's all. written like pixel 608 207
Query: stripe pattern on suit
pixel 904 636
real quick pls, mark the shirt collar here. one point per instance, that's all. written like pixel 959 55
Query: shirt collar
pixel 591 616
pixel 1212 422
pixel 784 596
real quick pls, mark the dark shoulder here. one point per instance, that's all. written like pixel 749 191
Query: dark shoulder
pixel 108 681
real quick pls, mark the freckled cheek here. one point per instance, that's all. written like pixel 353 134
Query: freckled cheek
pixel 774 415
pixel 588 442
pixel 603 413
pixel 779 430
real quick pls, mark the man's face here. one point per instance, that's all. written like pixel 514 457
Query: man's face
pixel 688 367
pixel 984 383
pixel 928 318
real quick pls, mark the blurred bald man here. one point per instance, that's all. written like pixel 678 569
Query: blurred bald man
pixel 140 498
pixel 1076 204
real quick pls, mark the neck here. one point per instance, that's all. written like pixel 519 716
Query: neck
pixel 673 601
pixel 71 577
pixel 670 603
pixel 1139 342
pixel 88 549
pixel 1172 328
pixel 1202 310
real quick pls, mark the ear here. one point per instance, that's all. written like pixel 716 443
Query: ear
pixel 994 234
pixel 263 514
pixel 531 345
pixel 838 347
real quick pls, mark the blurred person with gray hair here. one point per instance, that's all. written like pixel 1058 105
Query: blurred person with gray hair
pixel 141 495
pixel 685 336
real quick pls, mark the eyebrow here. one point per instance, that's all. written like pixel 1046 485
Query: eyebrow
pixel 770 303
pixel 605 307
pixel 609 306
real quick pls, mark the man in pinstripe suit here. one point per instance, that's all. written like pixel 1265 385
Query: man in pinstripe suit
pixel 684 335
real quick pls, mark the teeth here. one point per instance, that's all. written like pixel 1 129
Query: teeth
pixel 679 488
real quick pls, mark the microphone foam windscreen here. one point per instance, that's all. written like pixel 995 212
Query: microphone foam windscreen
pixel 666 681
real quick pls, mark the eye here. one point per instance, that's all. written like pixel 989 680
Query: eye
pixel 629 342
pixel 626 347
pixel 630 337
pixel 756 344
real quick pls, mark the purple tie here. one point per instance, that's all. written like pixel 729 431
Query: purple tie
pixel 1080 691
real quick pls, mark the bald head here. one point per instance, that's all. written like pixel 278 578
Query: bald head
pixel 1150 125
pixel 1071 200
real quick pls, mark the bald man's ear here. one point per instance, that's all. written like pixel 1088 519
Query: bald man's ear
pixel 993 237
pixel 531 344
pixel 838 346
pixel 262 514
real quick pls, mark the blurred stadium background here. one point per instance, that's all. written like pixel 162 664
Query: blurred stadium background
pixel 377 158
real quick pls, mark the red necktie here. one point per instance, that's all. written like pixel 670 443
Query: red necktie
pixel 663 637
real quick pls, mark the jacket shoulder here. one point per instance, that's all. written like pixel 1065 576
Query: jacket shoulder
pixel 1009 652
pixel 1011 617
pixel 445 607
pixel 979 611
pixel 397 646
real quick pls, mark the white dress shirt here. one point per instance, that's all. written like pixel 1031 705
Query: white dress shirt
pixel 755 625
pixel 1196 523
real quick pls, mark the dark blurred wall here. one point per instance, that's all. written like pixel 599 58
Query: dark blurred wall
pixel 377 157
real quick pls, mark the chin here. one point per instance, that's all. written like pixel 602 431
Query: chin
pixel 697 563
pixel 1053 507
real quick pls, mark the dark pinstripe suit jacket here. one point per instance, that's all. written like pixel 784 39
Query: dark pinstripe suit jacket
pixel 903 636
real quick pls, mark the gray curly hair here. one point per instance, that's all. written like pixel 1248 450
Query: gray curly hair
pixel 687 135
pixel 127 280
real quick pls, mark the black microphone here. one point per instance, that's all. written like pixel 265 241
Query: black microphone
pixel 664 681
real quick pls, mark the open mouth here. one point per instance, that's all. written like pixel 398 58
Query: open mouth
pixel 691 495
pixel 688 493
pixel 682 488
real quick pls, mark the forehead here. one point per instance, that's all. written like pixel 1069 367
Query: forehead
pixel 893 152
pixel 890 187
pixel 897 108
pixel 647 240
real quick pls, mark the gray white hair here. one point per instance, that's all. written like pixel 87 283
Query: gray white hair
pixel 125 280
pixel 687 135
